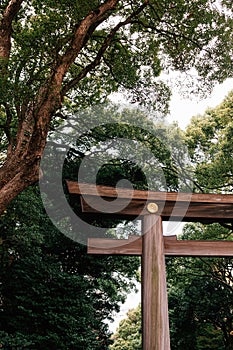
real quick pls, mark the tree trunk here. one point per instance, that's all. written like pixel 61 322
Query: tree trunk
pixel 21 168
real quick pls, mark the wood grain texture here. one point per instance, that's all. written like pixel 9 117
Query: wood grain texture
pixel 132 203
pixel 198 248
pixel 195 212
pixel 172 247
pixel 155 328
pixel 108 246
pixel 111 192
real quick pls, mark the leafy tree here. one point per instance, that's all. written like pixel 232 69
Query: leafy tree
pixel 128 335
pixel 53 295
pixel 162 149
pixel 209 138
pixel 200 295
pixel 160 164
pixel 55 52
pixel 39 264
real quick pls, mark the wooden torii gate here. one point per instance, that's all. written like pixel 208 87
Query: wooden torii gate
pixel 153 207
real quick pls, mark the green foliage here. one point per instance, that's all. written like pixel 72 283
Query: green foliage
pixel 179 35
pixel 81 51
pixel 150 151
pixel 54 295
pixel 209 338
pixel 200 290
pixel 209 138
pixel 200 295
pixel 129 335
pixel 191 313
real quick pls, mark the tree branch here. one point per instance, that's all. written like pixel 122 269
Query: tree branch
pixel 81 36
pixel 169 34
pixel 6 27
pixel 102 50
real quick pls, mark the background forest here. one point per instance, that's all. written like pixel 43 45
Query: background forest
pixel 59 63
pixel 56 296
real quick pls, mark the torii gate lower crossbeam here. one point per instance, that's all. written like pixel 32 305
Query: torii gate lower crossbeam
pixel 153 247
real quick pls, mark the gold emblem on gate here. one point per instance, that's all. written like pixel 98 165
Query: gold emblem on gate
pixel 152 208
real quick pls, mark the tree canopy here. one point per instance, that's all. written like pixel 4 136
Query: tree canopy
pixel 129 333
pixel 58 55
pixel 80 51
pixel 200 295
pixel 52 294
pixel 209 138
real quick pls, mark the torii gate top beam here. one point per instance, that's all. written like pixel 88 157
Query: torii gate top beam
pixel 175 205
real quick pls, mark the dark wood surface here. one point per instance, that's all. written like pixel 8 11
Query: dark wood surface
pixel 178 206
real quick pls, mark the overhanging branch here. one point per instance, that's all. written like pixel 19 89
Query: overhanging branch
pixel 102 50
pixel 8 16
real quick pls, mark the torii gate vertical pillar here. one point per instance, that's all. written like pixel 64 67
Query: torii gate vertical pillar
pixel 155 328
